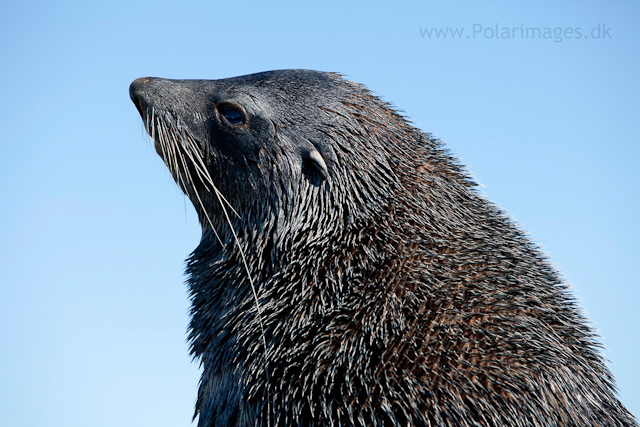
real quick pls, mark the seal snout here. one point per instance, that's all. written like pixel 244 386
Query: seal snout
pixel 136 92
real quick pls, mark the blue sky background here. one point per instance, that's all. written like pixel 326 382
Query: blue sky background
pixel 94 233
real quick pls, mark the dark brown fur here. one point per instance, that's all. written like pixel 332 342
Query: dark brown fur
pixel 389 291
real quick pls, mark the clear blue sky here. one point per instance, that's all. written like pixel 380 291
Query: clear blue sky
pixel 94 233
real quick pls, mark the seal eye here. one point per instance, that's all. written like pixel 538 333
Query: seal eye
pixel 232 114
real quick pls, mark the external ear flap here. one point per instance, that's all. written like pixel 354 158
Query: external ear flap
pixel 314 158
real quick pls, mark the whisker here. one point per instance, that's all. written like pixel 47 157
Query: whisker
pixel 246 266
pixel 201 167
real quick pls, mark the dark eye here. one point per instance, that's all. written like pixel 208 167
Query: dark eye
pixel 231 113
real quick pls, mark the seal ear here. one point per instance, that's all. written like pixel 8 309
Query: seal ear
pixel 313 158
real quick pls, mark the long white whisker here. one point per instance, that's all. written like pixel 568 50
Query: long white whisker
pixel 202 174
pixel 246 266
pixel 201 167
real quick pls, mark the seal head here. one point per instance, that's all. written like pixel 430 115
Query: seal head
pixel 242 125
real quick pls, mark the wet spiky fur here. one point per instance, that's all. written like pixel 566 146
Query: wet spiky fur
pixel 371 285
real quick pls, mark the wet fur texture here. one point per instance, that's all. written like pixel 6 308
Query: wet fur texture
pixel 350 273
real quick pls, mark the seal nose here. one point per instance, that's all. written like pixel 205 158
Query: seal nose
pixel 136 90
pixel 137 86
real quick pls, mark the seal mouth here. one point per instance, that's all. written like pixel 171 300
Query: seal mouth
pixel 180 152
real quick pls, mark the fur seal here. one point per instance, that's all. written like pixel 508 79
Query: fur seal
pixel 351 274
